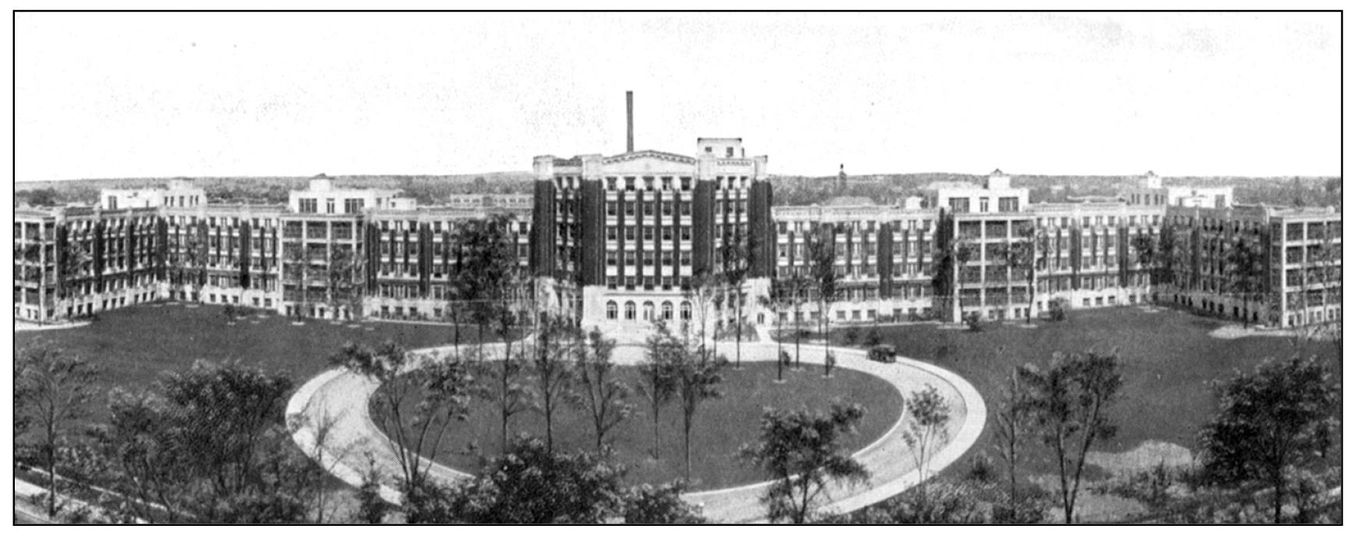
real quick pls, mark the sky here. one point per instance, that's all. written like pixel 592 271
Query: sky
pixel 106 95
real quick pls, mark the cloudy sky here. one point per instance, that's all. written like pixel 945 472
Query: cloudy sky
pixel 173 94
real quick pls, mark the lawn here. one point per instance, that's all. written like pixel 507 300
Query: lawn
pixel 1169 363
pixel 720 428
pixel 135 345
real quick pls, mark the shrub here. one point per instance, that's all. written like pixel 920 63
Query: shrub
pixel 851 335
pixel 873 338
pixel 1058 310
pixel 974 321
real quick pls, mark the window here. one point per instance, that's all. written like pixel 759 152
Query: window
pixel 329 206
pixel 959 204
pixel 613 209
pixel 685 312
pixel 306 206
pixel 648 311
pixel 985 204
pixel 629 311
pixel 1009 204
pixel 611 311
pixel 612 233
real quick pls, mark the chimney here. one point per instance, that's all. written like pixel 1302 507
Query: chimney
pixel 629 121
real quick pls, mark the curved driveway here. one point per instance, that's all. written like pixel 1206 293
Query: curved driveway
pixel 340 399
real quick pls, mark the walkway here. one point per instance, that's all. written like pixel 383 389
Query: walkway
pixel 340 399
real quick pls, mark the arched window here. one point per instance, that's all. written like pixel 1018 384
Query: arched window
pixel 629 311
pixel 667 311
pixel 685 311
pixel 648 311
pixel 611 310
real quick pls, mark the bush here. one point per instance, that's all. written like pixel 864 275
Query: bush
pixel 974 321
pixel 873 338
pixel 851 336
pixel 1058 310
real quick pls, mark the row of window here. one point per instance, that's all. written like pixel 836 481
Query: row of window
pixel 648 310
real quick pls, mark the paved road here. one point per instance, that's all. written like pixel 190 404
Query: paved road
pixel 353 440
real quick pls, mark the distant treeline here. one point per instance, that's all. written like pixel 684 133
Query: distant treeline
pixel 787 190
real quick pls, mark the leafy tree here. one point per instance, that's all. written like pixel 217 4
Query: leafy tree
pixel 441 389
pixel 660 505
pixel 1069 403
pixel 800 449
pixel 695 379
pixel 605 395
pixel 51 390
pixel 532 484
pixel 659 382
pixel 1270 422
pixel 928 426
pixel 208 446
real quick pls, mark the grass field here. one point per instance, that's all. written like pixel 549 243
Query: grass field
pixel 1169 363
pixel 135 345
pixel 721 426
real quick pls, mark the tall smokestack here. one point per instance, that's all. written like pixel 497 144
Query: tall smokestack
pixel 629 121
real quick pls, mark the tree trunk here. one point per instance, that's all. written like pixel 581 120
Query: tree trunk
pixel 688 453
pixel 739 320
pixel 51 478
pixel 655 425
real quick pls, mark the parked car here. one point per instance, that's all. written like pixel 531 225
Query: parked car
pixel 884 353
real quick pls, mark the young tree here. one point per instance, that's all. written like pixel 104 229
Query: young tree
pixel 799 286
pixel 800 449
pixel 605 395
pixel 695 378
pixel 737 272
pixel 825 279
pixel 704 292
pixel 1269 424
pixel 774 303
pixel 1019 258
pixel 1069 403
pixel 51 390
pixel 658 375
pixel 928 426
pixel 297 264
pixel 1245 268
pixel 441 391
pixel 558 344
pixel 341 280
pixel 1010 424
